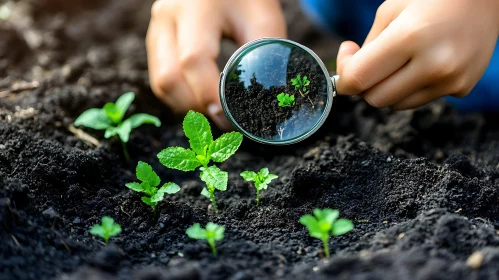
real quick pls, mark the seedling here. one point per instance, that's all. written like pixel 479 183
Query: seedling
pixel 212 233
pixel 107 229
pixel 150 182
pixel 261 180
pixel 203 150
pixel 286 100
pixel 110 119
pixel 325 223
pixel 300 83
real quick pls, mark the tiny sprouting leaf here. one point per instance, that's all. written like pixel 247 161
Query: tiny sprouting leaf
pixel 141 118
pixel 169 188
pixel 285 100
pixel 196 232
pixel 123 103
pixel 205 193
pixel 179 158
pixel 214 177
pixel 94 118
pixel 342 226
pixel 108 228
pixel 147 200
pixel 216 229
pixel 249 176
pixel 113 113
pixel 135 187
pixel 197 129
pixel 145 173
pixel 300 83
pixel 225 146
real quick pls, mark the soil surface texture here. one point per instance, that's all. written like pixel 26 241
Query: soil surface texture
pixel 422 187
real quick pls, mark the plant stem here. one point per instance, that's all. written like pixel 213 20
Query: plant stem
pixel 212 198
pixel 303 95
pixel 125 150
pixel 213 249
pixel 326 246
pixel 257 197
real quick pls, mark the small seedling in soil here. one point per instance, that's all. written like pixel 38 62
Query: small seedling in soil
pixel 261 180
pixel 203 150
pixel 285 100
pixel 300 84
pixel 150 182
pixel 325 223
pixel 107 229
pixel 110 119
pixel 212 233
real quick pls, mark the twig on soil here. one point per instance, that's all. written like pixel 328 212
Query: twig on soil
pixel 15 240
pixel 303 95
pixel 121 207
pixel 80 134
pixel 280 130
pixel 19 86
pixel 66 245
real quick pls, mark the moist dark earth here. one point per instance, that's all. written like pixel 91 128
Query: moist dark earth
pixel 255 107
pixel 420 186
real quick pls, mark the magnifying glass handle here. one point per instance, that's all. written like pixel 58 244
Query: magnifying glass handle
pixel 335 80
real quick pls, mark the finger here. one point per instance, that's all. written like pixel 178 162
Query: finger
pixel 404 82
pixel 420 98
pixel 166 77
pixel 374 62
pixel 345 52
pixel 199 46
pixel 257 21
pixel 386 13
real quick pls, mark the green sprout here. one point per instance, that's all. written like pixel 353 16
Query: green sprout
pixel 300 84
pixel 203 150
pixel 261 179
pixel 325 223
pixel 286 100
pixel 212 233
pixel 150 182
pixel 110 119
pixel 107 229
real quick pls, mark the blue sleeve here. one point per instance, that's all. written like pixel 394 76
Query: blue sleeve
pixel 352 19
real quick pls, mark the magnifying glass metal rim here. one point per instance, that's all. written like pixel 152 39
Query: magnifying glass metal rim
pixel 331 91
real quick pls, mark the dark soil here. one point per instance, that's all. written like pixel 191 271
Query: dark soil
pixel 255 107
pixel 422 187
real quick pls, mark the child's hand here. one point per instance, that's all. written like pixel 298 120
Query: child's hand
pixel 420 50
pixel 183 42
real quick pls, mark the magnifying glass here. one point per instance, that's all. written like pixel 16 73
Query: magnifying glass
pixel 276 91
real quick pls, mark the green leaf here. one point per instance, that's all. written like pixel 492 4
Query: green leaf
pixel 124 130
pixel 94 118
pixel 205 193
pixel 225 146
pixel 98 230
pixel 196 232
pixel 179 158
pixel 116 229
pixel 124 102
pixel 135 187
pixel 249 175
pixel 113 113
pixel 157 197
pixel 145 173
pixel 214 177
pixel 197 129
pixel 342 226
pixel 269 178
pixel 147 200
pixel 110 132
pixel 328 215
pixel 140 119
pixel 310 222
pixel 264 172
pixel 107 222
pixel 217 230
pixel 169 188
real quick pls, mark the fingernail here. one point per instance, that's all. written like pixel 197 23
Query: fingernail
pixel 342 46
pixel 218 116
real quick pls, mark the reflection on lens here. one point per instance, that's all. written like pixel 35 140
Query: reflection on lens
pixel 275 91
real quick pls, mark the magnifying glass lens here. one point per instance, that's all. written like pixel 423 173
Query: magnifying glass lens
pixel 276 91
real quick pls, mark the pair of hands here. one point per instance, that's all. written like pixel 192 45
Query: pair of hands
pixel 417 50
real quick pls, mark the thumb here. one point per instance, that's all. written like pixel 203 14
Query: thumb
pixel 345 53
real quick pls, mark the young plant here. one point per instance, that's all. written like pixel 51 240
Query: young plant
pixel 107 229
pixel 300 84
pixel 110 119
pixel 260 179
pixel 286 100
pixel 203 150
pixel 212 233
pixel 325 223
pixel 150 182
